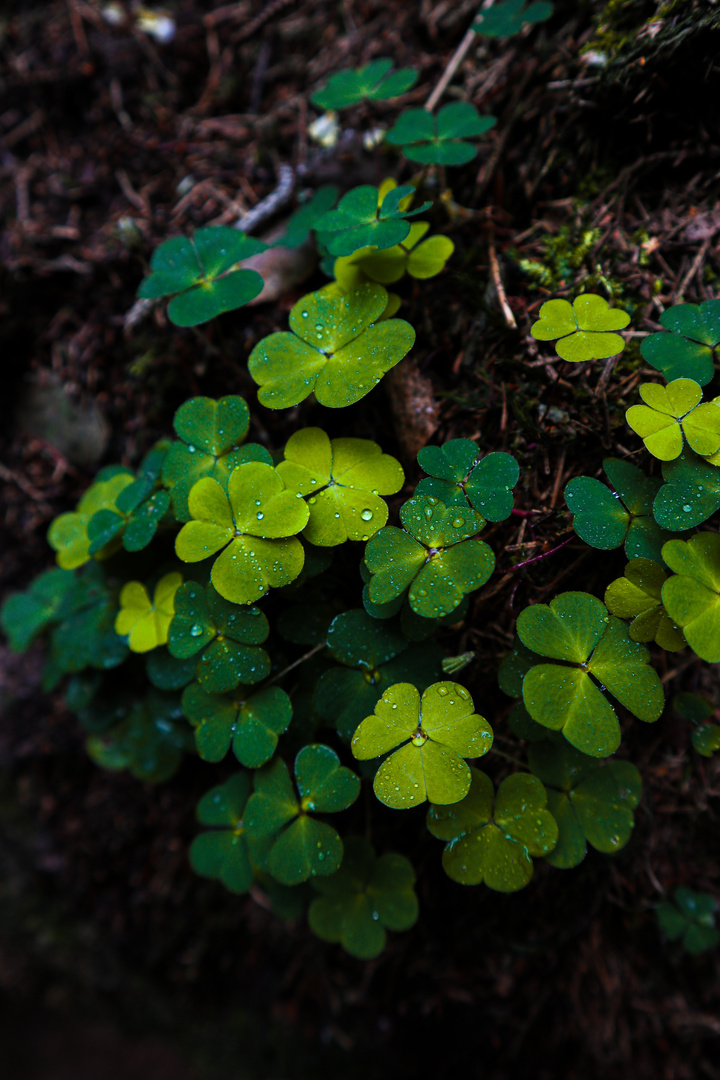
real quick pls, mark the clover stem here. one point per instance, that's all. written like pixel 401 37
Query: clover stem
pixel 296 663
pixel 537 558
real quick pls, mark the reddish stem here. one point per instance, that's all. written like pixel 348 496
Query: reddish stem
pixel 537 558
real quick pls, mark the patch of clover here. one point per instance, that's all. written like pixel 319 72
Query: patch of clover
pixel 582 329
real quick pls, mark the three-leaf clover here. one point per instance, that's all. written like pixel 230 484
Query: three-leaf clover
pixel 300 224
pixel 692 594
pixel 198 273
pixel 414 256
pixel 606 517
pixel 84 631
pixel 705 736
pixel 491 837
pixel 362 219
pixel 690 916
pixel 210 434
pixel 298 846
pixel 458 475
pixel 251 722
pixel 582 328
pixel 638 596
pixel 504 19
pixel 24 615
pixel 441 139
pixel 687 352
pixel 364 898
pixel 429 737
pixel 68 534
pixel 594 650
pixel 253 527
pixel 690 494
pixel 222 854
pixel 374 655
pixel 375 82
pixel 222 637
pixel 336 349
pixel 592 802
pixel 344 479
pixel 137 510
pixel 673 415
pixel 436 555
pixel 150 742
pixel 145 622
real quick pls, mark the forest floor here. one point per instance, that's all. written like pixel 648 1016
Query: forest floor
pixel 601 175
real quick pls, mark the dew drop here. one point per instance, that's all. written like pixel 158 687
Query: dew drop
pixel 687 508
pixel 195 630
pixel 259 515
pixel 366 515
pixel 442 691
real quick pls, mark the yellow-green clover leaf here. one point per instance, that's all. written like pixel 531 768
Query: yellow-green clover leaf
pixel 672 412
pixel 638 596
pixel 429 737
pixel 336 349
pixel 251 722
pixel 145 622
pixel 343 479
pixel 253 527
pixel 690 917
pixel 364 898
pixel 441 139
pixel 365 218
pixel 436 555
pixel 375 81
pixel 689 350
pixel 419 260
pixel 222 854
pixel 582 327
pixel 692 595
pixel 490 837
pixel 68 534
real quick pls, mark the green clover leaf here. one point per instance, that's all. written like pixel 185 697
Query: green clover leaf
pixel 24 615
pixel 298 846
pixel 165 672
pixel 419 260
pixel 300 224
pixel 362 219
pixel 692 595
pixel 364 898
pixel 504 19
pixel 582 328
pixel 492 840
pixel 430 738
pixel 375 655
pixel 690 917
pixel 222 636
pixel 457 475
pixel 198 273
pixel 137 510
pixel 84 631
pixel 592 802
pixel 705 736
pixel 436 555
pixel 638 596
pixel 143 621
pixel 374 82
pixel 68 534
pixel 595 651
pixel 336 350
pixel 344 480
pixel 688 351
pixel 211 433
pixel 149 743
pixel 706 739
pixel 222 854
pixel 439 140
pixel 605 517
pixel 690 494
pixel 251 722
pixel 253 527
pixel 672 413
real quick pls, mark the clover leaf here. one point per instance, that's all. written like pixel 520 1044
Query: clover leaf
pixel 414 256
pixel 690 494
pixel 24 615
pixel 692 595
pixel 150 742
pixel 364 898
pixel 374 82
pixel 706 739
pixel 198 273
pixel 582 328
pixel 690 916
pixel 430 737
pixel 592 802
pixel 136 511
pixel 439 140
pixel 210 434
pixel 223 854
pixel 594 650
pixel 83 633
pixel 638 596
pixel 436 555
pixel 688 351
pixel 253 527
pixel 504 19
pixel 300 224
pixel 344 480
pixel 363 219
pixel 705 736
pixel 336 349
pixel 165 672
pixel 673 414
pixel 251 722
pixel 68 534
pixel 490 837
pixel 375 655
pixel 458 475
pixel 605 517
pixel 298 846
pixel 144 621
pixel 222 636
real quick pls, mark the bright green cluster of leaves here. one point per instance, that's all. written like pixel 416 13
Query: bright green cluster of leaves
pixel 442 139
pixel 674 416
pixel 375 81
pixel 584 330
